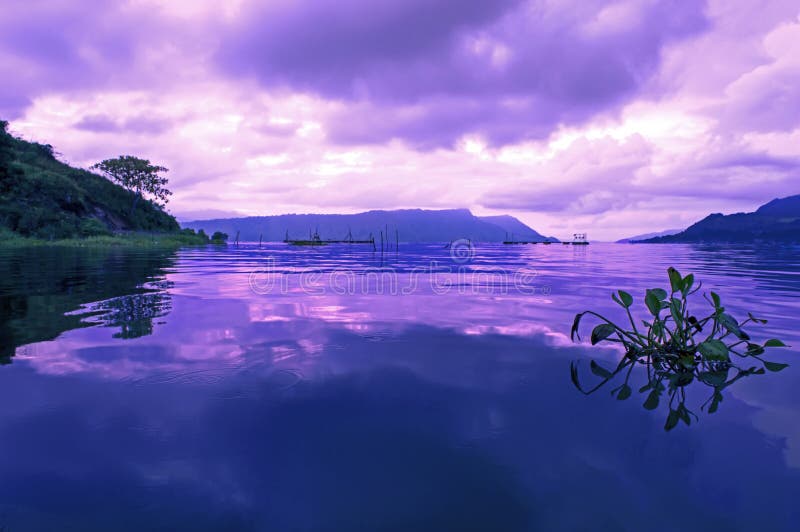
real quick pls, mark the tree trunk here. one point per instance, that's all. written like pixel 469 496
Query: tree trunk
pixel 135 201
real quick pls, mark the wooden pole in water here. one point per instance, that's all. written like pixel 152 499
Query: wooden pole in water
pixel 381 241
pixel 260 237
pixel 396 240
pixel 237 239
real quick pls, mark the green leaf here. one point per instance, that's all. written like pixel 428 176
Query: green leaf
pixel 757 320
pixel 672 420
pixel 754 350
pixel 599 370
pixel 616 300
pixel 575 323
pixel 675 280
pixel 775 366
pixel 602 331
pixel 716 299
pixel 660 293
pixel 624 392
pixel 653 302
pixel 774 343
pixel 651 403
pixel 713 350
pixel 675 309
pixel 627 299
pixel 730 323
pixel 688 282
pixel 694 323
pixel 646 387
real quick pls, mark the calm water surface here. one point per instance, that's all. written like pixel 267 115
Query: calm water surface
pixel 336 389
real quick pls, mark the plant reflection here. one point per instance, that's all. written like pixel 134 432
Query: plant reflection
pixel 133 314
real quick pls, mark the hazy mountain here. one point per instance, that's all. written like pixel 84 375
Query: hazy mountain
pixel 411 225
pixel 645 236
pixel 776 221
pixel 203 214
pixel 515 229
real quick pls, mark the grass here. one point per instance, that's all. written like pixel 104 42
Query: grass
pixel 172 240
pixel 677 349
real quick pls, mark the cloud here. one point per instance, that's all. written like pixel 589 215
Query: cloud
pixel 620 116
pixel 768 97
pixel 594 176
pixel 99 123
pixel 437 70
pixel 57 46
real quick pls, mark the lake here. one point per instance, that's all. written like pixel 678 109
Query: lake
pixel 336 388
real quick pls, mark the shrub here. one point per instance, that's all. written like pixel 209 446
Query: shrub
pixel 219 237
pixel 93 227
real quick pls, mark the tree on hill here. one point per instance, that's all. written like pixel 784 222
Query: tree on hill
pixel 139 176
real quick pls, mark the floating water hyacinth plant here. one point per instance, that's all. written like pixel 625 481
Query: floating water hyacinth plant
pixel 677 349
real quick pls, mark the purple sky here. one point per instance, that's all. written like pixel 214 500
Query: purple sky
pixel 612 118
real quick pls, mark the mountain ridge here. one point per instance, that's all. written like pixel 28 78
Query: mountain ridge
pixel 776 221
pixel 645 236
pixel 409 225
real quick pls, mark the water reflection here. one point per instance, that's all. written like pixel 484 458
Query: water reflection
pixel 42 287
pixel 393 435
pixel 196 404
pixel 133 314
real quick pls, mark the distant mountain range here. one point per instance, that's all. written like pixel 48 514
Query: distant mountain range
pixel 776 221
pixel 410 225
pixel 645 236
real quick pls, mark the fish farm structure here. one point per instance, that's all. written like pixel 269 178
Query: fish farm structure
pixel 315 240
pixel 579 239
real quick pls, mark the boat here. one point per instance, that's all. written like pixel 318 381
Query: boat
pixel 579 239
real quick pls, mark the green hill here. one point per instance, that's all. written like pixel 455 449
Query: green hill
pixel 776 221
pixel 41 197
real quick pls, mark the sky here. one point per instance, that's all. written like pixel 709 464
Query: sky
pixel 612 118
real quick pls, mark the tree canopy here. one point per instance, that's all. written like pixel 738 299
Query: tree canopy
pixel 139 176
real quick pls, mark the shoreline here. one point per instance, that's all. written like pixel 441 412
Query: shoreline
pixel 154 240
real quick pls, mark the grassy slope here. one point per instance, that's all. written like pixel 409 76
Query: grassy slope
pixel 42 198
